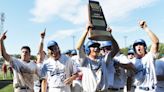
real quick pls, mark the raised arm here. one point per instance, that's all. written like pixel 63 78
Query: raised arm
pixel 5 55
pixel 152 36
pixel 82 38
pixel 41 52
pixel 80 44
pixel 115 47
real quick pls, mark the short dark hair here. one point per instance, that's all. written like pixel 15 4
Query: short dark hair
pixel 26 47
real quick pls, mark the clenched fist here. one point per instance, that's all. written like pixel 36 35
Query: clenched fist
pixel 43 34
pixel 143 24
pixel 109 29
pixel 3 36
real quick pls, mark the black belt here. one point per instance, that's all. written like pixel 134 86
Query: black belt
pixel 115 89
pixel 22 87
pixel 146 88
pixel 133 86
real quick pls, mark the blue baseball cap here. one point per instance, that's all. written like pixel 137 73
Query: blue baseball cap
pixel 105 43
pixel 74 52
pixel 91 43
pixel 51 43
pixel 131 51
pixel 67 52
pixel 139 41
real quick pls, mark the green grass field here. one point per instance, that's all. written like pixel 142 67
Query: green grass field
pixel 8 88
pixel 4 87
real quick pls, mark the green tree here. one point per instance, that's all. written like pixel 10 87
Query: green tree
pixel 16 55
pixel 33 57
pixel 161 50
pixel 124 51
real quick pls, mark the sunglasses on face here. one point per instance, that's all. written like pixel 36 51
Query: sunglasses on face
pixel 130 54
pixel 106 48
pixel 94 46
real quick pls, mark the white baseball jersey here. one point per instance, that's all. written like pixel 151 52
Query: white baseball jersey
pixel 159 66
pixel 23 73
pixel 145 77
pixel 98 67
pixel 57 71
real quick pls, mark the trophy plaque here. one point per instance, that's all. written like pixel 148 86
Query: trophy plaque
pixel 97 19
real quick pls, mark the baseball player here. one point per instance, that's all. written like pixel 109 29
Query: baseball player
pixel 130 54
pixel 116 70
pixel 41 56
pixel 145 77
pixel 95 71
pixel 23 68
pixel 57 71
pixel 130 73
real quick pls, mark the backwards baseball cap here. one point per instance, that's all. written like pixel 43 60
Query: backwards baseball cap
pixel 51 43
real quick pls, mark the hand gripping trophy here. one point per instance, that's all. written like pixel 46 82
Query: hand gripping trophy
pixel 97 20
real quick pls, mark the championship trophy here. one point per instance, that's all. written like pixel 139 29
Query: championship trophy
pixel 96 18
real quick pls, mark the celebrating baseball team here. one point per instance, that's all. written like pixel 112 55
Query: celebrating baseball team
pixel 94 66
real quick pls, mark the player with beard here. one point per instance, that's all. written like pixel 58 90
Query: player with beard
pixel 57 71
pixel 145 77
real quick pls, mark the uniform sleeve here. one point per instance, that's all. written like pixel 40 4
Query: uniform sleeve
pixel 122 59
pixel 72 67
pixel 76 64
pixel 154 55
pixel 16 64
pixel 39 68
